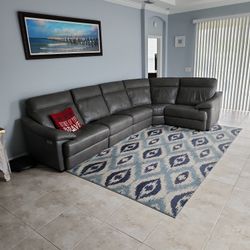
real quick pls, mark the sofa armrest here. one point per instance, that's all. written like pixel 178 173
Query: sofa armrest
pixel 46 132
pixel 213 102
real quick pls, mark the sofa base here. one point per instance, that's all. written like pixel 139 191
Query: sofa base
pixel 44 151
pixel 186 123
pixel 85 154
pixel 113 139
pixel 142 125
pixel 158 120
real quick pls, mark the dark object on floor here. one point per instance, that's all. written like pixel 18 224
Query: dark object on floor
pixel 22 163
pixel 152 75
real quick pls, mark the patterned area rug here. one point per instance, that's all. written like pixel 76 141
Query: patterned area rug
pixel 161 166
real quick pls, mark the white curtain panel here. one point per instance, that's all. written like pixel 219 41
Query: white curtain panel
pixel 223 51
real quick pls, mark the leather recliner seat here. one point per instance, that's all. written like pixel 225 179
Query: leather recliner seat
pixel 185 102
pixel 113 111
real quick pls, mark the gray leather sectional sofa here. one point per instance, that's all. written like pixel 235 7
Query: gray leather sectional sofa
pixel 114 111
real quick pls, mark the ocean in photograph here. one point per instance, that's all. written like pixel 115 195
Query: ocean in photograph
pixel 72 45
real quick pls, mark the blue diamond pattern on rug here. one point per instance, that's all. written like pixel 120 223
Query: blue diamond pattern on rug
pixel 161 166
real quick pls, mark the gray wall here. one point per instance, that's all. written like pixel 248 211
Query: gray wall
pixel 182 24
pixel 20 79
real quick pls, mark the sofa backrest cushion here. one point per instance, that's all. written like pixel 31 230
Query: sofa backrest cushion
pixel 115 96
pixel 39 108
pixel 90 103
pixel 164 90
pixel 196 90
pixel 138 91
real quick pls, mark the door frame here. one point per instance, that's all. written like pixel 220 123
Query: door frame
pixel 159 54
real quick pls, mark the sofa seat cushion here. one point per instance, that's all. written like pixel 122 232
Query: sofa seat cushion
pixel 185 112
pixel 158 109
pixel 116 123
pixel 86 137
pixel 138 113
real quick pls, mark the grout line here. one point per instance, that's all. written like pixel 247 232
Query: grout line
pixel 113 228
pixel 227 201
pixel 121 231
pixel 205 244
pixel 151 232
pixel 222 210
pixel 28 226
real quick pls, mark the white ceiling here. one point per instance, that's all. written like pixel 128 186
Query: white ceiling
pixel 176 6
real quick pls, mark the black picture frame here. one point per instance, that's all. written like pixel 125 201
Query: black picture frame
pixel 50 36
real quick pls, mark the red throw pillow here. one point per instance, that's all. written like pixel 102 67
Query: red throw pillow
pixel 66 120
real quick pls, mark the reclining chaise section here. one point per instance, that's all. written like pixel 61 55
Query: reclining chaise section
pixel 197 104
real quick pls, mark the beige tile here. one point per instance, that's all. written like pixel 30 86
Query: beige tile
pixel 145 247
pixel 192 226
pixel 227 170
pixel 227 175
pixel 246 169
pixel 41 211
pixel 47 179
pixel 135 219
pixel 232 161
pixel 239 202
pixel 246 123
pixel 241 141
pixel 179 235
pixel 15 194
pixel 233 227
pixel 231 232
pixel 243 183
pixel 230 123
pixel 68 229
pixel 233 116
pixel 209 200
pixel 242 242
pixel 12 230
pixel 108 238
pixel 239 151
pixel 34 241
pixel 100 204
pixel 245 133
pixel 61 180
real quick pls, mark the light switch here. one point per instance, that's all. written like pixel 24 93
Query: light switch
pixel 188 69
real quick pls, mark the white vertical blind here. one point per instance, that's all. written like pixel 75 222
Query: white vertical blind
pixel 222 51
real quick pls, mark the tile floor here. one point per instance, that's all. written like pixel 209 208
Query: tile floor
pixel 43 209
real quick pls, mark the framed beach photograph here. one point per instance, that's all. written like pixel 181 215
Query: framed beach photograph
pixel 47 36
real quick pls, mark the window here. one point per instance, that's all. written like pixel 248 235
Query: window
pixel 223 51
